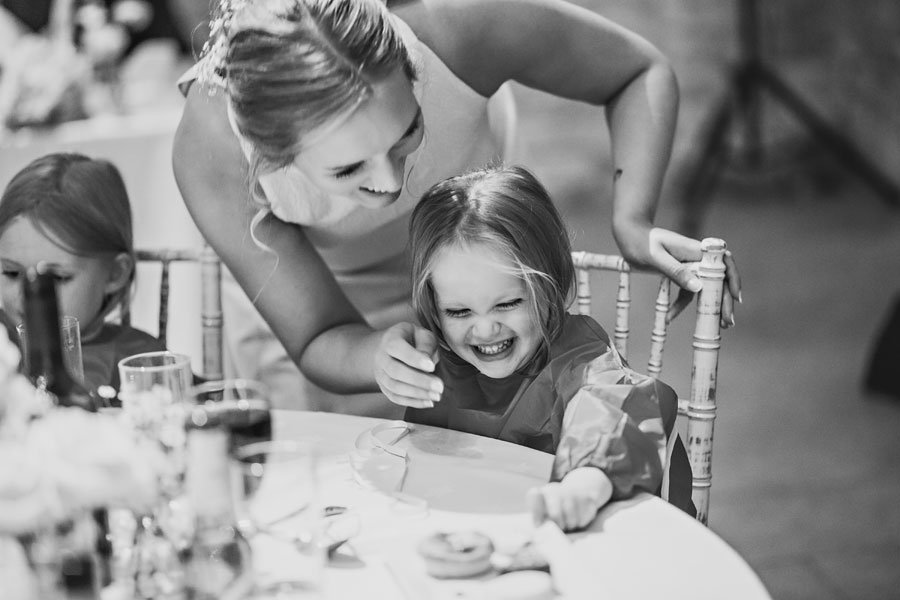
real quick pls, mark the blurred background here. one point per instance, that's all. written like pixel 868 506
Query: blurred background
pixel 806 469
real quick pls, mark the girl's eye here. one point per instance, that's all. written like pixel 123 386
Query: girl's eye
pixel 11 273
pixel 347 171
pixel 510 305
pixel 456 313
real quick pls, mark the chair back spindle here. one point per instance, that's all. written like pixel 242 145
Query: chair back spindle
pixel 211 320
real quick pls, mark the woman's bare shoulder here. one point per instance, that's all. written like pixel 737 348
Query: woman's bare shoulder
pixel 205 113
pixel 461 33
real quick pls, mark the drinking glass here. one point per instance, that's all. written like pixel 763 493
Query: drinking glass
pixel 164 376
pixel 243 406
pixel 276 489
pixel 70 333
pixel 153 391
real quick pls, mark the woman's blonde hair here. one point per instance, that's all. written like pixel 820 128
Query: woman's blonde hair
pixel 508 209
pixel 292 66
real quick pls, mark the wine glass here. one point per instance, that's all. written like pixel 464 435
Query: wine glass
pixel 277 489
pixel 276 481
pixel 243 406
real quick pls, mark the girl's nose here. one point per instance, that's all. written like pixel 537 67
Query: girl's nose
pixel 485 329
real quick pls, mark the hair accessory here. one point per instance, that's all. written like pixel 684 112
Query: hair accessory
pixel 211 65
pixel 228 17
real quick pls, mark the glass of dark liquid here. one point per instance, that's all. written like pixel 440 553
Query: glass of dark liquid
pixel 242 406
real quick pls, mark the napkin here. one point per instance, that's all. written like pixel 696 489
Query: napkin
pixel 570 573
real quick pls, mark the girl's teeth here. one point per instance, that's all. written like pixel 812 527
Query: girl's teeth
pixel 494 348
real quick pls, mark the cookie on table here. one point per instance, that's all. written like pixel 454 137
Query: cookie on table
pixel 456 554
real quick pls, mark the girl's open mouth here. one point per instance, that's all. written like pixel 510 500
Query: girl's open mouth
pixel 497 351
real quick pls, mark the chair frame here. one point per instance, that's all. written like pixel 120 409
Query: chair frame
pixel 210 300
pixel 700 408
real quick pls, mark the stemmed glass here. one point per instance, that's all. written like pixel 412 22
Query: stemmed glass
pixel 277 489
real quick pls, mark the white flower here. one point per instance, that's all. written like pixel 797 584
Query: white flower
pixel 70 460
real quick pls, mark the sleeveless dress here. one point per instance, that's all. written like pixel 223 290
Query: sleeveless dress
pixel 366 248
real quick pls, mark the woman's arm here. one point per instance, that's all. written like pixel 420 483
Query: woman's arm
pixel 293 288
pixel 575 53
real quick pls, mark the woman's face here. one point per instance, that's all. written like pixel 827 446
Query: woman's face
pixel 363 156
pixel 84 280
pixel 484 309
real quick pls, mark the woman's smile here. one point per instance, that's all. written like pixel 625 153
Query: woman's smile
pixel 378 199
pixel 363 155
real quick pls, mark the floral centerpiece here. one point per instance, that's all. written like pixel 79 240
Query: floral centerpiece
pixel 58 463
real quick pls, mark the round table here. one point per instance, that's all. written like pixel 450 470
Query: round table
pixel 433 479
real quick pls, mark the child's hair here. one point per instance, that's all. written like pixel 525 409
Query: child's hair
pixel 509 209
pixel 80 204
pixel 291 66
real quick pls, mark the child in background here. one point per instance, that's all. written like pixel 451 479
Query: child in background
pixel 73 212
pixel 492 278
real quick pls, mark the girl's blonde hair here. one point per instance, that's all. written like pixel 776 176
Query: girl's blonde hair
pixel 78 202
pixel 508 209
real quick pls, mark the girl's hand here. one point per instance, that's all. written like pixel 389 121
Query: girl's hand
pixel 405 357
pixel 668 252
pixel 573 502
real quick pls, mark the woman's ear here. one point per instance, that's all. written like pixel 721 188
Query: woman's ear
pixel 120 273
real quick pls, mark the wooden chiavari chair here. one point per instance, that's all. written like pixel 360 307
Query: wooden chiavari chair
pixel 700 408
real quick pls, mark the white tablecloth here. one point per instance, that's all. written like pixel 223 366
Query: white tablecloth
pixel 640 548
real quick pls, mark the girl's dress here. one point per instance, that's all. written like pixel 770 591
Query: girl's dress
pixel 585 405
pixel 365 248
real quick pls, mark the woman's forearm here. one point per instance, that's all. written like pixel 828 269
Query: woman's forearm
pixel 340 359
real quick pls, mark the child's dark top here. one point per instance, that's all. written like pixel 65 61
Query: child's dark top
pixel 586 406
pixel 101 354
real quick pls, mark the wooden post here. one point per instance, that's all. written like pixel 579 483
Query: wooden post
pixel 702 404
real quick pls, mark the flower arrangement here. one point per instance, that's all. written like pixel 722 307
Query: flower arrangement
pixel 57 464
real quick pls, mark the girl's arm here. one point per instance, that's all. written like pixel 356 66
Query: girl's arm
pixel 573 502
pixel 293 289
pixel 612 441
pixel 575 53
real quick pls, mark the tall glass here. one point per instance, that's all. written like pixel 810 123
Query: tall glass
pixel 154 391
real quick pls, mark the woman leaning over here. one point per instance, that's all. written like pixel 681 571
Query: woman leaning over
pixel 316 125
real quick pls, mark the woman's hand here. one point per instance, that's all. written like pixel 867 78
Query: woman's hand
pixel 573 502
pixel 668 252
pixel 405 357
